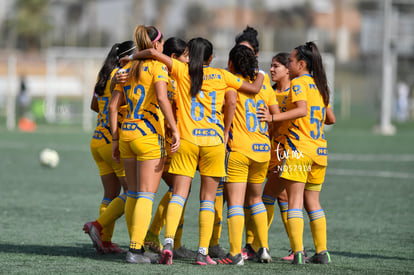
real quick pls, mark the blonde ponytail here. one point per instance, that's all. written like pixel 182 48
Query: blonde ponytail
pixel 143 36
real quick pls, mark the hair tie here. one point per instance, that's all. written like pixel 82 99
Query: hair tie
pixel 158 36
pixel 124 52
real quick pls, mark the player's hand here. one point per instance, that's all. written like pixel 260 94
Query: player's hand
pixel 121 76
pixel 176 141
pixel 263 114
pixel 124 60
pixel 115 151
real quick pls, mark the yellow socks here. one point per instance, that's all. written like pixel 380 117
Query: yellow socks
pixel 295 229
pixel 158 221
pixel 283 207
pixel 269 203
pixel 218 216
pixel 206 220
pixel 174 212
pixel 179 232
pixel 318 227
pixel 130 203
pixel 259 218
pixel 104 204
pixel 141 219
pixel 248 223
pixel 235 224
pixel 108 218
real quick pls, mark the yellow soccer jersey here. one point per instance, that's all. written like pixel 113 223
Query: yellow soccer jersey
pixel 282 99
pixel 248 135
pixel 102 134
pixel 199 118
pixel 305 135
pixel 144 115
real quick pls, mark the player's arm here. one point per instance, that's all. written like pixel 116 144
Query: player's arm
pixel 116 101
pixel 255 86
pixel 94 103
pixel 161 91
pixel 150 53
pixel 299 111
pixel 330 116
pixel 229 110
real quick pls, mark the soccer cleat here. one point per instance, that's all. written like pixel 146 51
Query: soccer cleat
pixel 320 258
pixel 291 255
pixel 184 253
pixel 138 257
pixel 216 251
pixel 110 247
pixel 154 257
pixel 298 258
pixel 248 252
pixel 263 255
pixel 231 260
pixel 152 243
pixel 167 255
pixel 91 228
pixel 204 260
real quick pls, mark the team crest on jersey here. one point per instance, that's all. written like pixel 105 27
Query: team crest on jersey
pixel 164 68
pixel 297 89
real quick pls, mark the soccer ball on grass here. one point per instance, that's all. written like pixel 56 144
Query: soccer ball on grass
pixel 49 158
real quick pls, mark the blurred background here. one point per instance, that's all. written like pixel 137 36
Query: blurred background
pixel 51 51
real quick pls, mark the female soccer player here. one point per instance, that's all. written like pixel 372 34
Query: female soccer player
pixel 199 100
pixel 248 157
pixel 304 170
pixel 274 188
pixel 175 48
pixel 112 173
pixel 141 141
pixel 249 39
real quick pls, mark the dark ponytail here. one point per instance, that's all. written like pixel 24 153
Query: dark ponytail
pixel 311 55
pixel 117 51
pixel 244 61
pixel 109 64
pixel 199 50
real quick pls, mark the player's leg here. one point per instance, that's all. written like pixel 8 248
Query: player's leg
pixel 215 250
pixel 317 219
pixel 183 166
pixel 211 165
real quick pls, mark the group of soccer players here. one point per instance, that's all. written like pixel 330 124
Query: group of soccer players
pixel 168 113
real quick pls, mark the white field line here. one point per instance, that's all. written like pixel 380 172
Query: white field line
pixel 371 157
pixel 330 171
pixel 369 173
pixel 17 145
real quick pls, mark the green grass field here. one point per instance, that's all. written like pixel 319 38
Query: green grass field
pixel 367 197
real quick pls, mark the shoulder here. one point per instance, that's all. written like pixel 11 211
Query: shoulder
pixel 298 84
pixel 178 65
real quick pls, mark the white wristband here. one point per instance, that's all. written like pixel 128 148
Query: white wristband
pixel 131 56
pixel 262 72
